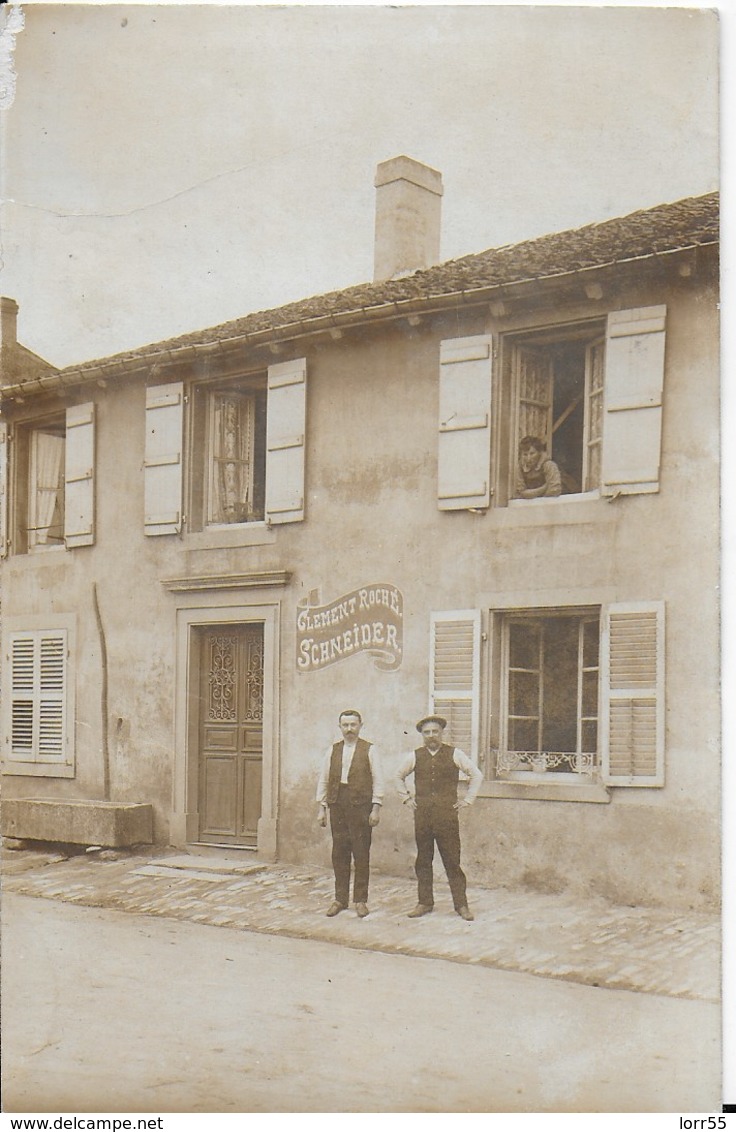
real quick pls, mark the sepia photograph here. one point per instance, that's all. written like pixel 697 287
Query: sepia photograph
pixel 360 392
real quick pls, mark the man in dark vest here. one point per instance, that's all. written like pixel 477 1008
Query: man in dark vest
pixel 351 785
pixel 436 768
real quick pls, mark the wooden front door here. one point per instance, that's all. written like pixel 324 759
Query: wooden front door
pixel 230 733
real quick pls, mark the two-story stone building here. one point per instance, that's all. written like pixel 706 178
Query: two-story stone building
pixel 215 543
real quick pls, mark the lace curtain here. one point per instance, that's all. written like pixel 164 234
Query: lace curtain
pixel 47 490
pixel 232 440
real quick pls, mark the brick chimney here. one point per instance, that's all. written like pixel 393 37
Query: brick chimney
pixel 408 206
pixel 8 338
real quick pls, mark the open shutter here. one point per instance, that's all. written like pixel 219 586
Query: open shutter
pixel 454 676
pixel 464 455
pixel 163 459
pixel 634 379
pixel 632 673
pixel 285 429
pixel 79 476
pixel 37 696
pixel 3 489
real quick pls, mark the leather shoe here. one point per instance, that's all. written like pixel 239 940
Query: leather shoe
pixel 361 909
pixel 334 909
pixel 421 910
pixel 465 912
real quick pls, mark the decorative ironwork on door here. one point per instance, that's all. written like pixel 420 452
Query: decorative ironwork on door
pixel 222 678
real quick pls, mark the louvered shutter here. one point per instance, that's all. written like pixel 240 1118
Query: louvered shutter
pixel 79 476
pixel 632 673
pixel 163 459
pixel 3 489
pixel 38 675
pixel 634 380
pixel 454 675
pixel 464 445
pixel 285 429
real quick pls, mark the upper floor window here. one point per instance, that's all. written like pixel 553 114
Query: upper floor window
pixel 45 484
pixel 556 382
pixel 53 500
pixel 244 457
pixel 584 400
pixel 235 464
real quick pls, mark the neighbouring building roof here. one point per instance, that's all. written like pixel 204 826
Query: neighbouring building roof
pixel 649 232
pixel 20 366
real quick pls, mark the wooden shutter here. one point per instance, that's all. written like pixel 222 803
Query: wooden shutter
pixel 285 429
pixel 464 455
pixel 632 674
pixel 38 675
pixel 79 476
pixel 163 459
pixel 3 489
pixel 454 676
pixel 634 379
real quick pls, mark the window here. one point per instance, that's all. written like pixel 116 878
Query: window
pixel 54 483
pixel 245 456
pixel 45 522
pixel 571 697
pixel 236 456
pixel 590 393
pixel 549 718
pixel 39 711
pixel 557 392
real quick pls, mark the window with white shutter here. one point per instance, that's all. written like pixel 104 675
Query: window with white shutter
pixel 38 702
pixel 163 459
pixel 632 430
pixel 454 674
pixel 79 476
pixel 248 446
pixel 285 441
pixel 632 673
pixel 464 442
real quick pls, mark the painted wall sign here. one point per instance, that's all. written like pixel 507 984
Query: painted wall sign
pixel 370 620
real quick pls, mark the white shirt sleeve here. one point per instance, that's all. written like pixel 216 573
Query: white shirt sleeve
pixel 406 767
pixel 379 787
pixel 324 774
pixel 467 766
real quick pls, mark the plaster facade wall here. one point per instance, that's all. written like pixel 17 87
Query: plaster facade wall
pixel 372 516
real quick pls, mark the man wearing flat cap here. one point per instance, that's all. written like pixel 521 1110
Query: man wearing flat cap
pixel 436 768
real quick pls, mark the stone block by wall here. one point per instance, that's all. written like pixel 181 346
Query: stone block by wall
pixel 113 824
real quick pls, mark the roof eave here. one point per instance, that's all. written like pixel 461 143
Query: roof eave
pixel 303 328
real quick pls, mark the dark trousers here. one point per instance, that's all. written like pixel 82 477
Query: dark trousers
pixel 351 840
pixel 434 822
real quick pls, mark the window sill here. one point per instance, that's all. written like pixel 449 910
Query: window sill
pixel 37 554
pixel 220 538
pixel 558 509
pixel 556 500
pixel 545 792
pixel 38 770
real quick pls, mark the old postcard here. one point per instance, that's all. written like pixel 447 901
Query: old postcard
pixel 360 586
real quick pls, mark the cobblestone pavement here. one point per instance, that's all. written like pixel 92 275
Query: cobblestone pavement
pixel 586 941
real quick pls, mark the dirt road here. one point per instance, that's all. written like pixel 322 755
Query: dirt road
pixel 112 1012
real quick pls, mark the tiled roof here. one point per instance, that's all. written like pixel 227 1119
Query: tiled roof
pixel 652 231
pixel 22 365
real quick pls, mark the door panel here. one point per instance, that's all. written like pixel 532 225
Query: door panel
pixel 231 733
